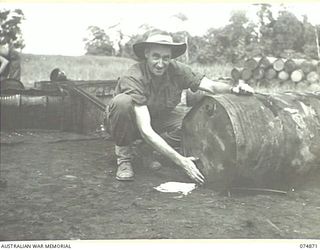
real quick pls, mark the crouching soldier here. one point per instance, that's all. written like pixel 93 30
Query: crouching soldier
pixel 145 104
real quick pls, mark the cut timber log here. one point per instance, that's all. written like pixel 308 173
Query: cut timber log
pixel 283 75
pixel 252 82
pixel 289 66
pixel 258 73
pixel 264 63
pixel 297 75
pixel 236 74
pixel 313 77
pixel 251 63
pixel 246 74
pixel 307 67
pixel 278 65
pixel 270 74
pixel 258 141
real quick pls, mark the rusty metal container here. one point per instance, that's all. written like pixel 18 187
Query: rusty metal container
pixel 257 141
pixel 87 99
pixel 21 111
pixel 77 106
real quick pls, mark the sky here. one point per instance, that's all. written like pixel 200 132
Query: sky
pixel 52 28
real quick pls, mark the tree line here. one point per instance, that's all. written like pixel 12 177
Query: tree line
pixel 10 31
pixel 280 35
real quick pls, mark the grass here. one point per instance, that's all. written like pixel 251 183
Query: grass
pixel 38 67
pixel 214 71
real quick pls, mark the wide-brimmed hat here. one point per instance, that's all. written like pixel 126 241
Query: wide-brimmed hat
pixel 177 49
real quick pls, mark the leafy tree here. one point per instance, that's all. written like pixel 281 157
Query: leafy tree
pixel 181 37
pixel 317 41
pixel 10 31
pixel 127 49
pixel 264 14
pixel 284 35
pixel 183 18
pixel 287 33
pixel 196 44
pixel 281 36
pixel 309 39
pixel 265 29
pixel 142 35
pixel 241 34
pixel 229 43
pixel 98 42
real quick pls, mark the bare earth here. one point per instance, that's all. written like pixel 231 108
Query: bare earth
pixel 62 186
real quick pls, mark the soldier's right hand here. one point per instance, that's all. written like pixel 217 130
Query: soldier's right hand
pixel 187 163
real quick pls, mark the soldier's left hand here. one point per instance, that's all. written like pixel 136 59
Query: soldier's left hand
pixel 242 89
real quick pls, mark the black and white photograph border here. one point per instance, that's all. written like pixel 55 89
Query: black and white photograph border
pixel 222 148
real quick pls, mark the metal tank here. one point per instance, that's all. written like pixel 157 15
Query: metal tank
pixel 256 141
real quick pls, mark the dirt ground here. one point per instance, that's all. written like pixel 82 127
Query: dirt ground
pixel 62 186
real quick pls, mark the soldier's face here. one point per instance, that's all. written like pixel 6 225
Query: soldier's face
pixel 158 58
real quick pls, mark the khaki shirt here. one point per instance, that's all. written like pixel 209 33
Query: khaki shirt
pixel 161 96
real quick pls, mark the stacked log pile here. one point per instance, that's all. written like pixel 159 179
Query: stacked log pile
pixel 271 72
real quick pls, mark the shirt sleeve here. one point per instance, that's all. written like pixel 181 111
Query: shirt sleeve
pixel 185 77
pixel 132 85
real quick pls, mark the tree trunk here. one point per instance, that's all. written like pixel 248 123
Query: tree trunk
pixel 317 41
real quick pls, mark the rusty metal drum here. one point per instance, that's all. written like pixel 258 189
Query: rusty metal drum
pixel 21 111
pixel 257 141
